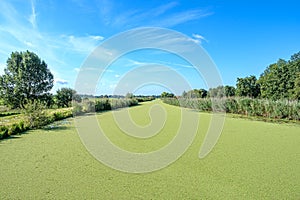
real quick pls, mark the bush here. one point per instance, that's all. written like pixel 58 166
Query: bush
pixel 77 109
pixel 14 129
pixel 88 106
pixel 36 115
pixel 281 109
pixel 102 104
pixel 3 132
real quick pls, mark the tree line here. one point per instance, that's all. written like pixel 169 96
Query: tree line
pixel 280 80
pixel 27 80
pixel 274 95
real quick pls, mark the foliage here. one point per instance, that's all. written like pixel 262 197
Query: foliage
pixel 144 98
pixel 247 87
pixel 229 91
pixel 64 97
pixel 36 115
pixel 25 79
pixel 280 109
pixel 88 106
pixel 221 91
pixel 281 79
pixel 129 95
pixel 195 93
pixel 296 90
pixel 102 104
pixel 217 92
pixel 167 95
pixel 77 109
pixel 121 103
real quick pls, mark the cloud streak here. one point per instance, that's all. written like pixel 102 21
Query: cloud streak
pixel 32 17
pixel 182 17
pixel 20 32
pixel 198 38
pixel 157 16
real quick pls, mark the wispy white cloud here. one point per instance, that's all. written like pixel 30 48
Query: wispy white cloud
pixel 131 62
pixel 84 44
pixel 29 44
pixel 198 38
pixel 61 81
pixel 163 9
pixel 106 8
pixel 20 32
pixel 32 17
pixel 96 37
pixel 157 16
pixel 181 17
pixel 76 69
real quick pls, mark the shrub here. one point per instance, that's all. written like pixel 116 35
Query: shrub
pixel 3 132
pixel 14 129
pixel 281 109
pixel 77 109
pixel 36 115
pixel 88 106
pixel 102 104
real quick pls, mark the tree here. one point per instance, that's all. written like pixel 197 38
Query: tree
pixel 229 91
pixel 195 93
pixel 279 79
pixel 129 95
pixel 26 79
pixel 247 86
pixel 294 82
pixel 217 92
pixel 296 92
pixel 167 95
pixel 64 97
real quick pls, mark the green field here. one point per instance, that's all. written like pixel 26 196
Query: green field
pixel 252 160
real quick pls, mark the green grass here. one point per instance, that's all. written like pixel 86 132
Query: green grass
pixel 252 160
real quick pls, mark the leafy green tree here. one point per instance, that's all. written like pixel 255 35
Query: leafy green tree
pixel 64 97
pixel 195 93
pixel 296 92
pixel 167 95
pixel 229 91
pixel 294 70
pixel 26 79
pixel 217 92
pixel 279 79
pixel 247 87
pixel 129 95
pixel 273 81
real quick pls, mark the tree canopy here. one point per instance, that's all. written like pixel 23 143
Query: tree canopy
pixel 280 79
pixel 64 97
pixel 167 95
pixel 26 79
pixel 195 93
pixel 247 87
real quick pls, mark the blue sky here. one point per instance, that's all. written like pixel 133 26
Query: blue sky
pixel 241 37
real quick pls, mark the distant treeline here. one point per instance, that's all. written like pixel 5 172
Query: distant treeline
pixel 280 80
pixel 274 95
pixel 128 95
pixel 102 104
